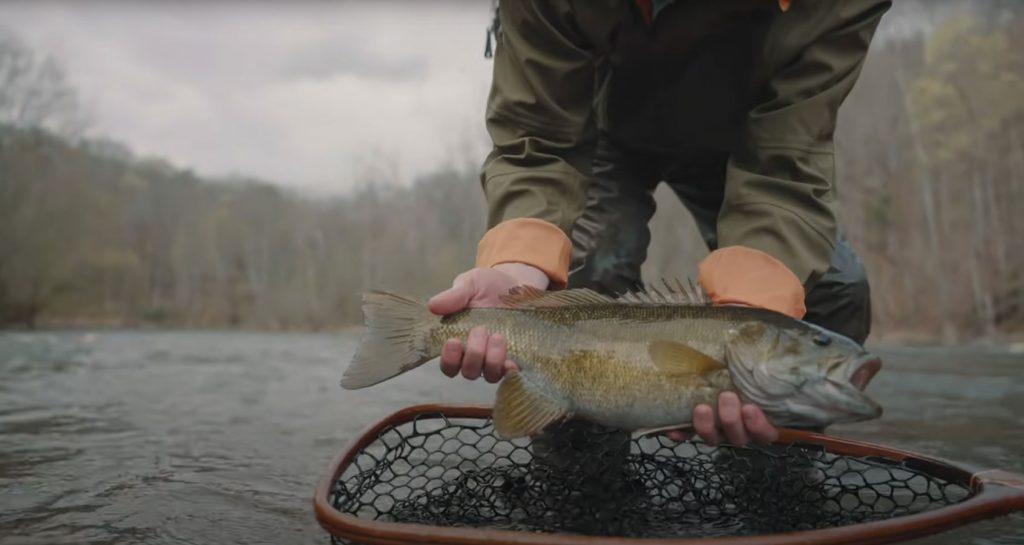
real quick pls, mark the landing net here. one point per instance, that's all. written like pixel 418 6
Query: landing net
pixel 444 471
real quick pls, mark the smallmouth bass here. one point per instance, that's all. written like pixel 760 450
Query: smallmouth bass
pixel 640 361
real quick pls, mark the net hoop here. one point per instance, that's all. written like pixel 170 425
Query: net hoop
pixel 994 493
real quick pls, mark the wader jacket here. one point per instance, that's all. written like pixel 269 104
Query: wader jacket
pixel 759 79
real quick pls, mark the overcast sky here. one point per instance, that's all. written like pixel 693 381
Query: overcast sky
pixel 306 94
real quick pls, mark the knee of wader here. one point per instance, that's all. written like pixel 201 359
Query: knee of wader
pixel 841 302
pixel 607 256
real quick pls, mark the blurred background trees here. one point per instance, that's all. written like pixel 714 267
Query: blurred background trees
pixel 931 177
pixel 34 91
pixel 931 162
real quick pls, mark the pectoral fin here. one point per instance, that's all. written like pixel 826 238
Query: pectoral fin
pixel 520 410
pixel 674 358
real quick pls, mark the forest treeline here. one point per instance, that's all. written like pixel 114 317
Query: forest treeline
pixel 89 235
pixel 930 173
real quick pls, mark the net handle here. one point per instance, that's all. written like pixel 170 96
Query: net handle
pixel 994 493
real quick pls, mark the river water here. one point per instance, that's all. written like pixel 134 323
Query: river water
pixel 198 437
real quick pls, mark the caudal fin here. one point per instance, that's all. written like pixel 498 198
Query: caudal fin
pixel 397 339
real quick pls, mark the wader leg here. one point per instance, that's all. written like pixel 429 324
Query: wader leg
pixel 841 300
pixel 610 238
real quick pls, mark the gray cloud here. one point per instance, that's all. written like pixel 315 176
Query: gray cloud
pixel 328 60
pixel 310 94
pixel 307 94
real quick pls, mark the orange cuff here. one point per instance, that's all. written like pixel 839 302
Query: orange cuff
pixel 527 240
pixel 741 275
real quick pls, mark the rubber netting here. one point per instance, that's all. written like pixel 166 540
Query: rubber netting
pixel 578 479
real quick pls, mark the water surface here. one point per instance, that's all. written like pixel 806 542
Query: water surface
pixel 187 437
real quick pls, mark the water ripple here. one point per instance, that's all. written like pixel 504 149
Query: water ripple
pixel 198 437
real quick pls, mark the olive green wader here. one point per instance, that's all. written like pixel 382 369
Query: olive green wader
pixel 739 81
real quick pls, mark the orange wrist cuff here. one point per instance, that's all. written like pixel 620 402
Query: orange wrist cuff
pixel 531 241
pixel 741 275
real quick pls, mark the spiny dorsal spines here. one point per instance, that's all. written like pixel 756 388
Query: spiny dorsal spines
pixel 679 294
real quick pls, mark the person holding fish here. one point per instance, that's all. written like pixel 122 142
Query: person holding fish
pixel 733 104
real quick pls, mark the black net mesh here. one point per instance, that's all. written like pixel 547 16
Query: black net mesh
pixel 455 472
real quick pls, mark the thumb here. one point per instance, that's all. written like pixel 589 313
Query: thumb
pixel 452 299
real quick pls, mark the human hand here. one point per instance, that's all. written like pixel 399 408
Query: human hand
pixel 739 422
pixel 482 353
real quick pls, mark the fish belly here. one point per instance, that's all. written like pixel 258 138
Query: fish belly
pixel 620 394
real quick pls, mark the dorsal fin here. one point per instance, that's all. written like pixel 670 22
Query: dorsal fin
pixel 678 294
pixel 529 297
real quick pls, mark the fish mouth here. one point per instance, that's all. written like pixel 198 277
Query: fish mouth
pixel 866 370
pixel 860 407
pixel 852 404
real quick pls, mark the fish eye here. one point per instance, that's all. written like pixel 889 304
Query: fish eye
pixel 821 339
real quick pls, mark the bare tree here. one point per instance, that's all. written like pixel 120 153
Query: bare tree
pixel 34 91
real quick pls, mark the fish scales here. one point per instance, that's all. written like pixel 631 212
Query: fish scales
pixel 636 363
pixel 598 382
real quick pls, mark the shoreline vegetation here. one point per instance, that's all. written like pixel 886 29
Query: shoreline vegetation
pixel 930 172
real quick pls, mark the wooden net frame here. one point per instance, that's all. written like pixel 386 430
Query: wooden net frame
pixel 432 474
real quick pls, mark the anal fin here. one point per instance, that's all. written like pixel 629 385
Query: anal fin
pixel 520 410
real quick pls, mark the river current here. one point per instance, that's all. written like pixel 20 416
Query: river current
pixel 213 437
